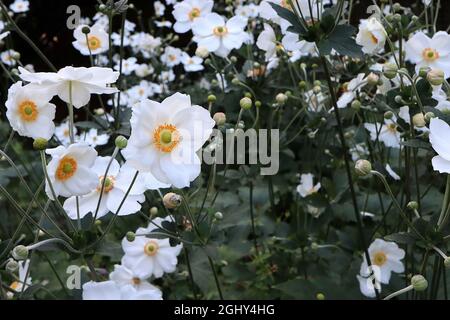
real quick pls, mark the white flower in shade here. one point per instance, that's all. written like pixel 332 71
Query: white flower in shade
pixel 392 173
pixel 387 133
pixel 24 281
pixel 145 43
pixel 247 11
pixel 147 256
pixel 94 139
pixel 367 286
pixel 351 90
pixel 110 290
pixel 143 70
pixel 187 11
pixel 123 276
pixel 426 52
pixel 95 42
pixel 191 64
pixel 117 183
pixel 371 35
pixel 359 151
pixel 4 35
pixel 439 133
pixel 385 258
pixel 159 8
pixel 297 48
pixel 171 56
pixel 267 41
pixel 306 186
pixel 163 24
pixel 19 6
pixel 74 84
pixel 165 138
pixel 62 133
pixel 128 65
pixel 8 57
pixel 70 170
pixel 29 111
pixel 218 36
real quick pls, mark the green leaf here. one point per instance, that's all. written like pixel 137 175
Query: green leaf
pixel 416 143
pixel 290 16
pixel 341 40
pixel 401 238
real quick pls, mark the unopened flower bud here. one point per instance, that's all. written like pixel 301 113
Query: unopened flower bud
pixel 363 167
pixel 12 265
pixel 86 30
pixel 388 115
pixel 320 296
pixel 302 85
pixel 246 103
pixel 399 99
pixel 423 72
pixel 428 116
pixel 390 70
pixel 171 200
pixel 436 77
pixel 218 215
pixel 419 283
pixel 153 211
pixel 281 98
pixel 372 79
pixel 412 205
pixel 40 144
pixel 419 120
pixel 235 81
pixel 317 89
pixel 447 262
pixel 258 104
pixel 131 236
pixel 121 142
pixel 220 118
pixel 20 252
pixel 202 52
pixel 356 104
pixel 233 59
pixel 212 98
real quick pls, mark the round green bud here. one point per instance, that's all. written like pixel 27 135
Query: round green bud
pixel 419 283
pixel 356 104
pixel 246 103
pixel 317 83
pixel 212 98
pixel 258 104
pixel 412 205
pixel 214 82
pixel 320 296
pixel 423 72
pixel 220 118
pixel 372 79
pixel 20 252
pixel 218 215
pixel 419 120
pixel 256 65
pixel 414 18
pixel 102 7
pixel 131 236
pixel 208 62
pixel 436 77
pixel 121 142
pixel 396 7
pixel 233 59
pixel 153 211
pixel 397 18
pixel 317 89
pixel 399 99
pixel 302 85
pixel 12 265
pixel 314 66
pixel 388 115
pixel 363 167
pixel 248 95
pixel 98 222
pixel 86 30
pixel 390 70
pixel 235 81
pixel 429 116
pixel 172 200
pixel 40 144
pixel 447 262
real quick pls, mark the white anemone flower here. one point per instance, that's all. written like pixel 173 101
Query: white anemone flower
pixel 218 36
pixel 20 6
pixel 191 64
pixel 110 290
pixel 351 90
pixel 117 183
pixel 70 170
pixel 392 173
pixel 385 258
pixel 123 276
pixel 29 111
pixel 367 286
pixel 267 41
pixel 93 138
pixel 387 133
pixel 74 85
pixel 165 138
pixel 187 11
pixel 95 42
pixel 306 186
pixel 433 53
pixel 147 256
pixel 371 35
pixel 24 281
pixel 439 133
pixel 62 133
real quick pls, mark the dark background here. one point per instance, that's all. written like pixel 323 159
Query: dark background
pixel 46 25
